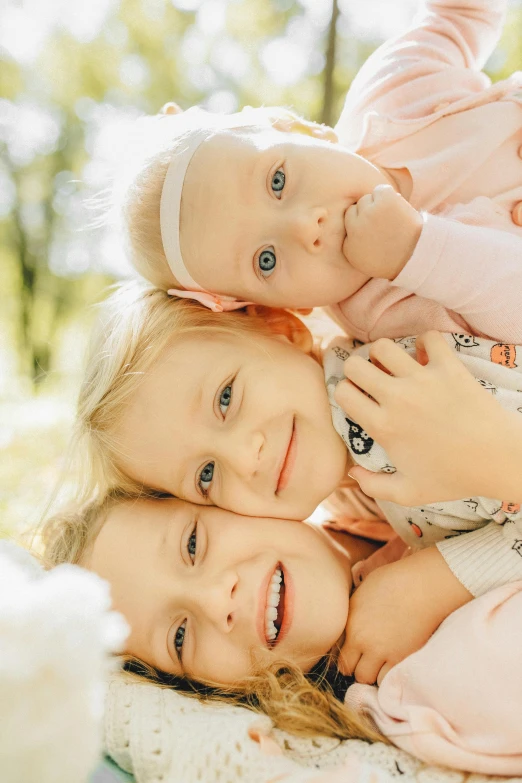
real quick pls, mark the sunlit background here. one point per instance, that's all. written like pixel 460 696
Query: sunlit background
pixel 73 74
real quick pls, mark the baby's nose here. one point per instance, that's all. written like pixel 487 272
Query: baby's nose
pixel 308 228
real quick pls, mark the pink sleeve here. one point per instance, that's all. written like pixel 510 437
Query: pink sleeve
pixel 436 61
pixel 456 702
pixel 472 270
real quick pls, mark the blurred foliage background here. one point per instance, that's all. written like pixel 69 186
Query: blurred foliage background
pixel 72 75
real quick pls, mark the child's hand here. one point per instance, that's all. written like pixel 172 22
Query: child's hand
pixel 395 611
pixel 422 413
pixel 382 229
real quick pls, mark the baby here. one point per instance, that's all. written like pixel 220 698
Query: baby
pixel 232 410
pixel 216 600
pixel 293 219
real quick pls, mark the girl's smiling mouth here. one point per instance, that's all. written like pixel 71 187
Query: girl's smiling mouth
pixel 275 606
pixel 288 461
pixel 274 615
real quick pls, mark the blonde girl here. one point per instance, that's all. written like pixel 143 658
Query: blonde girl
pixel 411 222
pixel 198 587
pixel 232 410
pixel 227 608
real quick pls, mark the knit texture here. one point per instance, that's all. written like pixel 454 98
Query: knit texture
pixel 166 737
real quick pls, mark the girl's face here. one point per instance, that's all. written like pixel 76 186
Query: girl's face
pixel 199 588
pixel 262 217
pixel 236 421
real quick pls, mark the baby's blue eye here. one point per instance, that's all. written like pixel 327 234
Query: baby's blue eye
pixel 180 638
pixel 225 399
pixel 205 478
pixel 192 543
pixel 278 182
pixel 267 261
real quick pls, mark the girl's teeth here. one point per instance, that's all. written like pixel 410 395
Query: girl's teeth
pixel 272 602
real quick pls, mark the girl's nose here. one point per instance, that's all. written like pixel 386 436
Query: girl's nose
pixel 217 599
pixel 307 228
pixel 245 453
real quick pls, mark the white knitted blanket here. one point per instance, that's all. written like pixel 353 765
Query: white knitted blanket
pixel 161 736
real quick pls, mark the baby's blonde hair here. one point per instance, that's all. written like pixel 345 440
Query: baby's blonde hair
pixel 138 323
pixel 155 143
pixel 283 692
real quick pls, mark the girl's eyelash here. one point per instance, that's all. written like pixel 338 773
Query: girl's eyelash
pixel 179 639
pixel 206 474
pixel 179 636
pixel 192 542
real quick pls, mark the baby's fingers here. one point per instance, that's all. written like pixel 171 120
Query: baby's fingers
pixel 383 193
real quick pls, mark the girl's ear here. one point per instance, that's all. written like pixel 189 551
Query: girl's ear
pixel 283 323
pixel 291 123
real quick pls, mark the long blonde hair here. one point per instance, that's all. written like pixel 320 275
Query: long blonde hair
pixel 138 323
pixel 293 702
pixel 156 139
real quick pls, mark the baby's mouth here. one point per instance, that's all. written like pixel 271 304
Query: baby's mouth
pixel 275 606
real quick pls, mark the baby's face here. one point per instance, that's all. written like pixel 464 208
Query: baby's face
pixel 236 421
pixel 199 588
pixel 262 217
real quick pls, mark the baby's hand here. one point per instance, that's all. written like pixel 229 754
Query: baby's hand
pixel 382 229
pixel 395 611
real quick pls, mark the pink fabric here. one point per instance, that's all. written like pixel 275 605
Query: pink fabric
pixel 457 702
pixel 421 104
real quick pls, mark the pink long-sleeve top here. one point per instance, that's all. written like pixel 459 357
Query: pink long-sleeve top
pixel 456 702
pixel 421 104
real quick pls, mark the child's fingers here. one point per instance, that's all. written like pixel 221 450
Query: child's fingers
pixel 367 669
pixel 384 671
pixel 356 404
pixel 384 193
pixel 393 357
pixel 348 660
pixel 384 486
pixel 364 202
pixel 432 347
pixel 367 376
pixel 350 217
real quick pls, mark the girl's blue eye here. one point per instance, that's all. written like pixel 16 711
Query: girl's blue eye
pixel 225 399
pixel 278 182
pixel 192 543
pixel 180 638
pixel 267 261
pixel 205 478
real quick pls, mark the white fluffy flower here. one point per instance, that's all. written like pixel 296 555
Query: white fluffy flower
pixel 56 635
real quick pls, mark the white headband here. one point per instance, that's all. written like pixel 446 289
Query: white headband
pixel 170 208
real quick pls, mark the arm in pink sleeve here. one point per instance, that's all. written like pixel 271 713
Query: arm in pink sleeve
pixel 456 701
pixel 438 60
pixel 474 271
